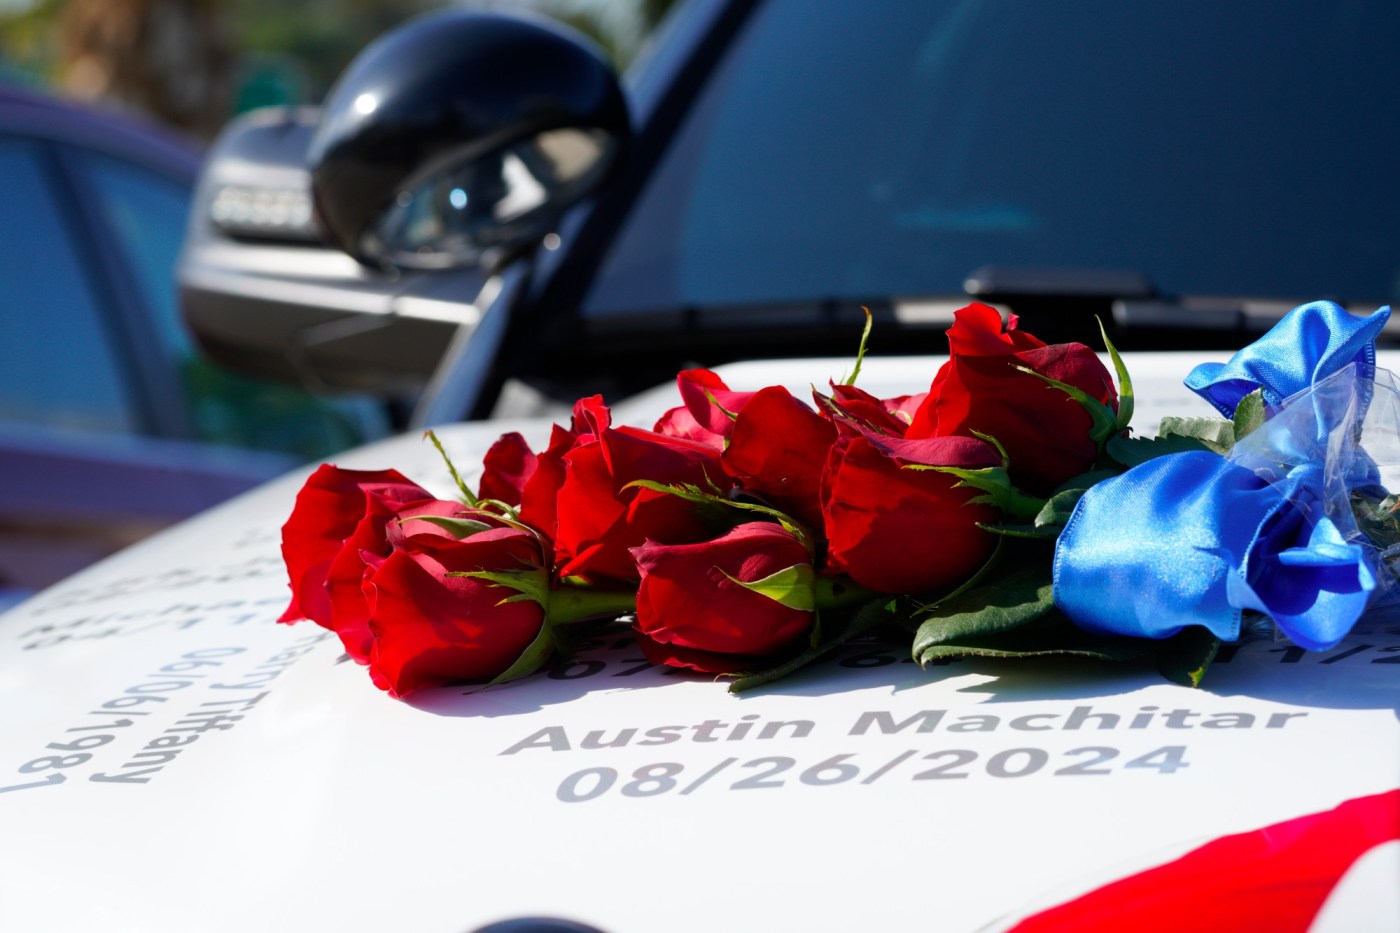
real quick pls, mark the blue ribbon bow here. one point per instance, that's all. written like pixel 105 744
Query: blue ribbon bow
pixel 1310 343
pixel 1196 538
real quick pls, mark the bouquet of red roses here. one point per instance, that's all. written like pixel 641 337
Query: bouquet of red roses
pixel 751 533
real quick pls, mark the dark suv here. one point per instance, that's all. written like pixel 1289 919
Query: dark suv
pixel 1186 171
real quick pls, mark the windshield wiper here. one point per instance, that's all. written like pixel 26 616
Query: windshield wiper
pixel 1009 282
pixel 1065 301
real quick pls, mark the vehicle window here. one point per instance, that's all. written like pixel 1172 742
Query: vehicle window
pixel 852 151
pixel 146 213
pixel 58 365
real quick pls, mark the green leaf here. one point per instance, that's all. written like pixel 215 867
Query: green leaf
pixel 791 586
pixel 836 591
pixel 1055 513
pixel 1216 433
pixel 995 482
pixel 530 584
pixel 1184 657
pixel 1105 419
pixel 1058 636
pixel 1001 451
pixel 1377 517
pixel 1084 480
pixel 1250 414
pixel 709 500
pixel 1131 451
pixel 1058 508
pixel 1125 382
pixel 1013 601
pixel 1048 633
pixel 531 659
pixel 467 496
pixel 712 510
pixel 459 528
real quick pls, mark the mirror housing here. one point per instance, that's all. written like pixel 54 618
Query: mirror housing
pixel 462 132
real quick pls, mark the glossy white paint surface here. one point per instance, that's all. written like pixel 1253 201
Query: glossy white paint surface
pixel 318 803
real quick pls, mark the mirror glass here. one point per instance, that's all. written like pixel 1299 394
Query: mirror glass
pixel 498 199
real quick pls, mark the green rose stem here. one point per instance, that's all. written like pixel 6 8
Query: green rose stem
pixel 571 604
pixel 827 593
pixel 565 606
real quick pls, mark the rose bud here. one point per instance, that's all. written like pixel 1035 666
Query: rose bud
pixel 716 605
pixel 580 494
pixel 338 511
pixel 378 534
pixel 707 410
pixel 888 416
pixel 1046 434
pixel 506 468
pixel 777 451
pixel 432 627
pixel 372 506
pixel 539 494
pixel 900 530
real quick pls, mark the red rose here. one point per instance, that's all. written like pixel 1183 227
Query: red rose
pixel 1044 431
pixel 695 610
pixel 903 407
pixel 506 468
pixel 888 416
pixel 382 512
pixel 777 451
pixel 375 537
pixel 706 410
pixel 431 628
pixel 898 530
pixel 580 495
pixel 539 494
pixel 338 511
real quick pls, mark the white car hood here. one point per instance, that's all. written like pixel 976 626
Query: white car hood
pixel 251 778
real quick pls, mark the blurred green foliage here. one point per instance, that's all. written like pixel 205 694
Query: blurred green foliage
pixel 29 41
pixel 292 53
pixel 242 411
pixel 313 41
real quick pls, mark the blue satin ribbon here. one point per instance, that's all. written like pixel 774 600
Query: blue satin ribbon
pixel 1194 539
pixel 1197 539
pixel 1310 343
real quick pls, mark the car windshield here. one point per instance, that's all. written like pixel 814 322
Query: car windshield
pixel 848 151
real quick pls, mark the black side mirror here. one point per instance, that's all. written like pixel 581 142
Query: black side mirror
pixel 462 132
